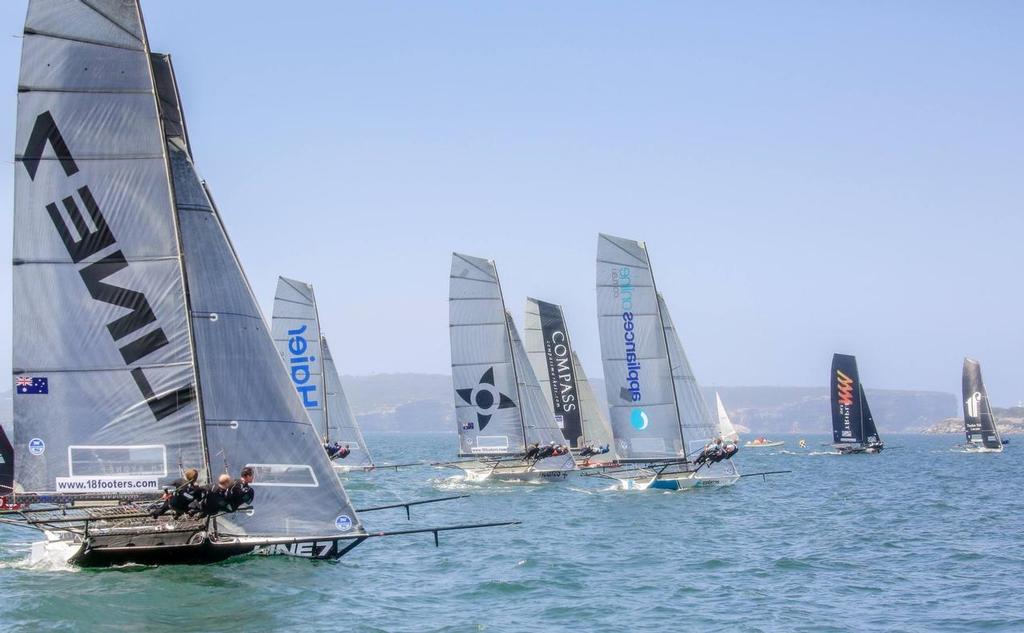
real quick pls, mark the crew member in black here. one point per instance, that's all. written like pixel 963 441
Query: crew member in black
pixel 730 449
pixel 532 450
pixel 216 499
pixel 337 451
pixel 186 492
pixel 547 451
pixel 241 493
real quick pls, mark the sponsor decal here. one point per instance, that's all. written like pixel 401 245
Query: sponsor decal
pixel 561 373
pixel 36 446
pixel 343 523
pixel 638 418
pixel 625 290
pixel 306 549
pixel 32 384
pixel 107 484
pixel 85 244
pixel 974 405
pixel 486 398
pixel 844 396
pixel 299 367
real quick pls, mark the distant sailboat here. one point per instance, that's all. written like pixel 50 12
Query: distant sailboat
pixel 296 330
pixel 725 428
pixel 853 427
pixel 979 422
pixel 139 347
pixel 658 414
pixel 499 406
pixel 565 385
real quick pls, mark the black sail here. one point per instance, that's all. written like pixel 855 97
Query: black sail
pixel 848 403
pixel 870 430
pixel 6 464
pixel 560 372
pixel 979 423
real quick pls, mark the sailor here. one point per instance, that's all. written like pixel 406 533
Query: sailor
pixel 337 451
pixel 186 492
pixel 241 493
pixel 532 450
pixel 588 450
pixel 729 449
pixel 711 453
pixel 547 451
pixel 216 499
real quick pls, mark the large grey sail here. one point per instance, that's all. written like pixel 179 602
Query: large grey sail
pixel 484 377
pixel 344 427
pixel 252 414
pixel 637 372
pixel 979 422
pixel 105 397
pixel 550 352
pixel 538 419
pixel 295 326
pixel 698 426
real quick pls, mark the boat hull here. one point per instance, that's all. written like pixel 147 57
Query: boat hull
pixel 982 449
pixel 678 481
pixel 773 444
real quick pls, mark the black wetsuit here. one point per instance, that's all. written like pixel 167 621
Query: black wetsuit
pixel 532 452
pixel 587 451
pixel 547 451
pixel 239 494
pixel 215 501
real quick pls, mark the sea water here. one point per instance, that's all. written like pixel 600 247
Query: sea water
pixel 920 537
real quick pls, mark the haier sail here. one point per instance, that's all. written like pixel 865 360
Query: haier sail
pixel 853 427
pixel 565 385
pixel 302 345
pixel 499 406
pixel 979 422
pixel 658 415
pixel 139 348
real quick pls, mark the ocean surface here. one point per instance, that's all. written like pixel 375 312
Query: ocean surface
pixel 918 538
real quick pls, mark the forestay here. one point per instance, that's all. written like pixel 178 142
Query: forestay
pixel 295 326
pixel 637 371
pixel 486 392
pixel 104 381
pixel 979 422
pixel 344 427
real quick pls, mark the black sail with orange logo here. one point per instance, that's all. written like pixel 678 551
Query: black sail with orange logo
pixel 848 404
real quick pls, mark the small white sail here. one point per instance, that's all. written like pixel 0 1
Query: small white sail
pixel 725 427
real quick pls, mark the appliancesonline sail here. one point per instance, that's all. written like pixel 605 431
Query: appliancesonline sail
pixel 138 345
pixel 563 380
pixel 979 422
pixel 296 329
pixel 853 427
pixel 657 411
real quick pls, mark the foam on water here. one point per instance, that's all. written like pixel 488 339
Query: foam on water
pixel 904 540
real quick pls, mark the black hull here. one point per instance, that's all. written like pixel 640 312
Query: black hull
pixel 201 554
pixel 858 450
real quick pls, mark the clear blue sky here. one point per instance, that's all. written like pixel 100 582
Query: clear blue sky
pixel 810 177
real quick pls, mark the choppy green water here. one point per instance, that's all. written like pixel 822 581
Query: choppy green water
pixel 917 538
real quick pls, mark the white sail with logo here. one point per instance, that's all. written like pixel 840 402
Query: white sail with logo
pixel 342 422
pixel 637 372
pixel 295 326
pixel 486 397
pixel 538 420
pixel 725 427
pixel 130 299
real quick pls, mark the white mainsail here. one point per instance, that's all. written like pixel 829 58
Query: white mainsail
pixel 140 344
pixel 295 326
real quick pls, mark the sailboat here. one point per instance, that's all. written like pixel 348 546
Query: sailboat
pixel 296 329
pixel 726 430
pixel 853 427
pixel 565 385
pixel 6 465
pixel 499 406
pixel 979 422
pixel 139 348
pixel 660 420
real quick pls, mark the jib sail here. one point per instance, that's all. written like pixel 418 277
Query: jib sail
pixel 344 427
pixel 725 426
pixel 979 423
pixel 541 426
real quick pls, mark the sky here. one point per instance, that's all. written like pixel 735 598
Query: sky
pixel 809 177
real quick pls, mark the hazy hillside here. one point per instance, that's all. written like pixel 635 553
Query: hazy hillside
pixel 1008 421
pixel 423 403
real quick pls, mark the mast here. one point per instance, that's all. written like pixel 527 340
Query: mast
pixel 508 339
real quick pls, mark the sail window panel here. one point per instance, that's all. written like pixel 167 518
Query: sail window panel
pixel 47 295
pixel 117 460
pixel 94 125
pixel 646 422
pixel 101 408
pixel 502 422
pixel 116 22
pixel 55 64
pixel 284 475
pixel 491 444
pixel 653 447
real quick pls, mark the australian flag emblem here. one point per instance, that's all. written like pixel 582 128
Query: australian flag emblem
pixel 32 384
